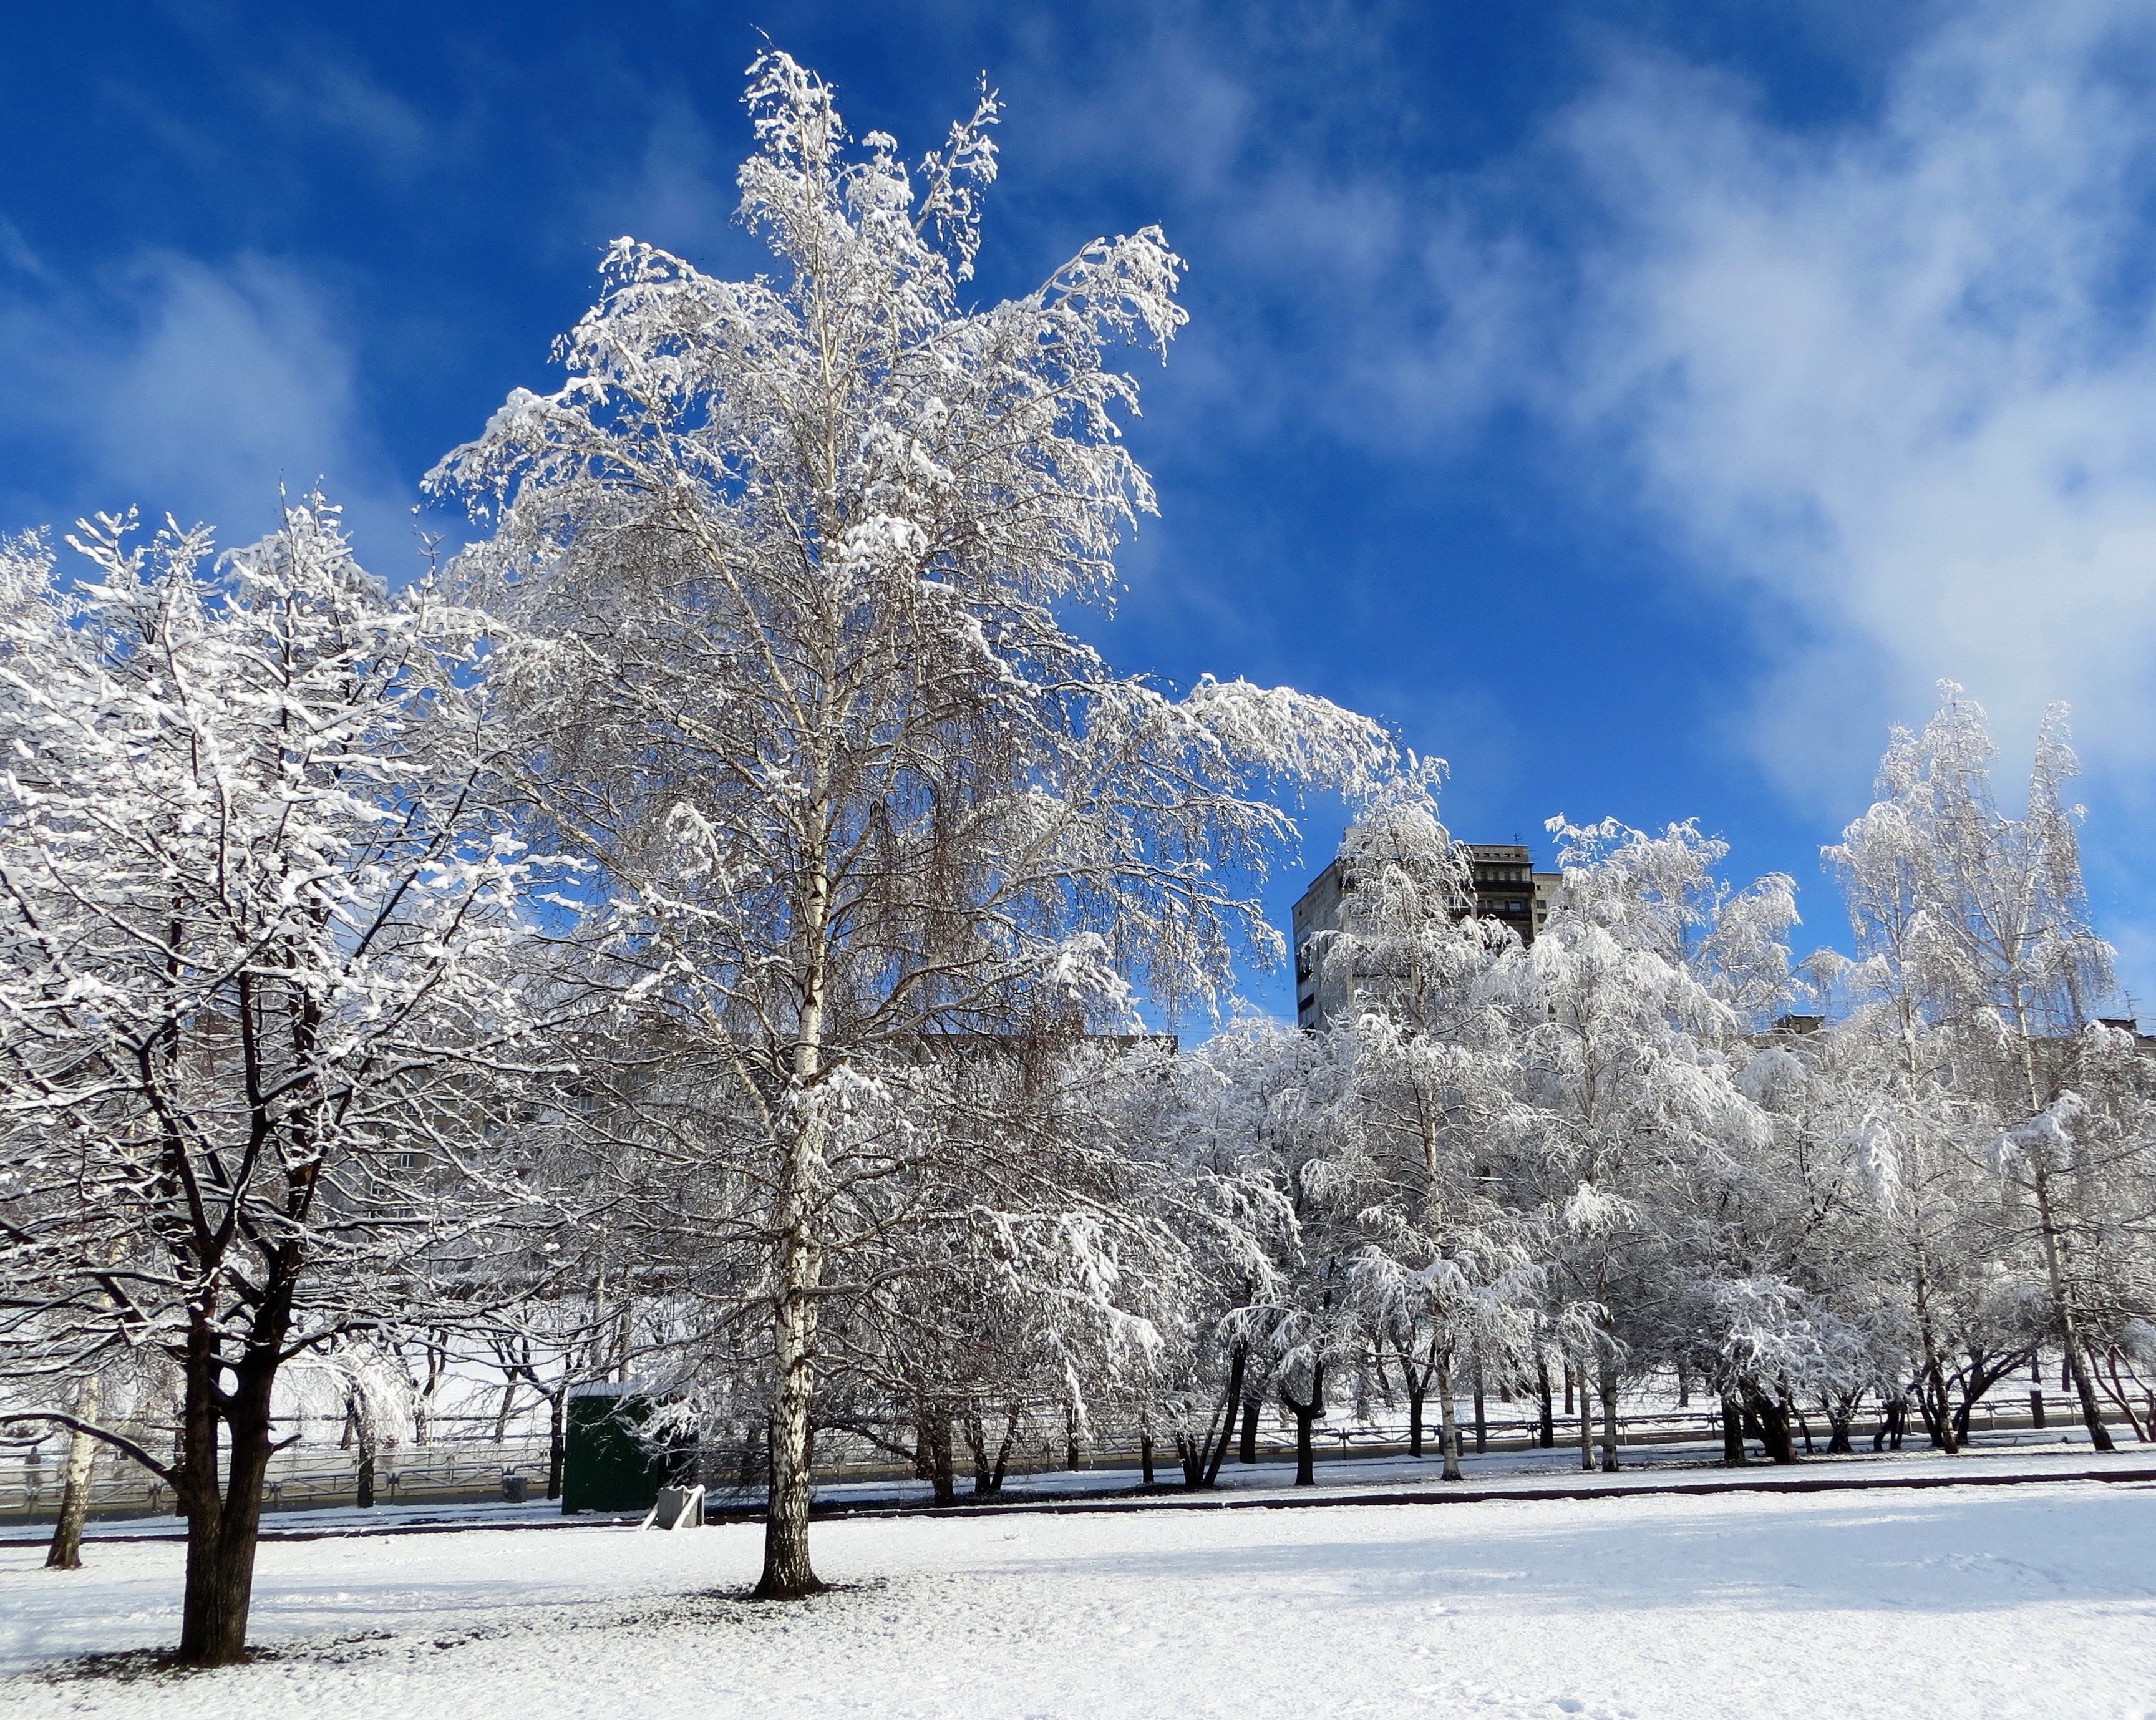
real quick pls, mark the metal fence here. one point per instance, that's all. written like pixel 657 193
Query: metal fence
pixel 314 1476
pixel 301 1477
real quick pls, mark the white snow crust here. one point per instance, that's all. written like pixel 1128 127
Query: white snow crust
pixel 2035 1600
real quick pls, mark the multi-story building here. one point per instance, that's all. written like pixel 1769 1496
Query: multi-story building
pixel 1507 889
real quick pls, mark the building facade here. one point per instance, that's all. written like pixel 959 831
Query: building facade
pixel 1507 889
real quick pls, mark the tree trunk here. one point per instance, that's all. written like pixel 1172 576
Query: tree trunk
pixel 942 1468
pixel 1481 1417
pixel 1145 1457
pixel 1192 1456
pixel 2056 1266
pixel 1609 1420
pixel 2036 1391
pixel 787 1574
pixel 1839 1416
pixel 65 1553
pixel 1586 1427
pixel 2091 1412
pixel 989 1471
pixel 1773 1419
pixel 1248 1451
pixel 1449 1416
pixel 223 1523
pixel 1548 1428
pixel 362 1413
pixel 1732 1432
pixel 1306 1417
pixel 556 1439
pixel 1073 1456
pixel 1568 1410
pixel 1238 1369
pixel 1012 1416
pixel 1415 1395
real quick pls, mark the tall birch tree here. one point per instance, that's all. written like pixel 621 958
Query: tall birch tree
pixel 779 573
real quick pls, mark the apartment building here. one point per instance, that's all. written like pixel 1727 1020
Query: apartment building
pixel 1507 889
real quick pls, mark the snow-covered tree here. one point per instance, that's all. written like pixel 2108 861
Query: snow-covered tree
pixel 1223 1120
pixel 256 1027
pixel 778 575
pixel 1980 961
pixel 1623 1079
pixel 1411 1100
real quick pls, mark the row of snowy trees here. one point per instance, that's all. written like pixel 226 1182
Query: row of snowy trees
pixel 1621 1153
pixel 702 934
pixel 619 944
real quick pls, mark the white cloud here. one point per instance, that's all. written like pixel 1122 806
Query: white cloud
pixel 1894 385
pixel 197 391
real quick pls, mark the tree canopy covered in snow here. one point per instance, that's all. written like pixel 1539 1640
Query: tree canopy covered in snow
pixel 711 941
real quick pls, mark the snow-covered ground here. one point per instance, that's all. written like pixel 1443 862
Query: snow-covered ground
pixel 2023 1601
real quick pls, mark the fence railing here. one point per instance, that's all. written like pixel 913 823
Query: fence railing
pixel 305 1476
pixel 301 1477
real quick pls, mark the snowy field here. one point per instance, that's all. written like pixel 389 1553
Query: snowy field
pixel 1998 1602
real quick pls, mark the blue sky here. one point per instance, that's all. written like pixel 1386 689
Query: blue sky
pixel 1638 406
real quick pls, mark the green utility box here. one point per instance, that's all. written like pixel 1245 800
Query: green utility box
pixel 605 1464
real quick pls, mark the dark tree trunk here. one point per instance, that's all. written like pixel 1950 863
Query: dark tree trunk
pixel 1414 1418
pixel 1305 1413
pixel 224 1522
pixel 1838 1419
pixel 1772 1418
pixel 1586 1426
pixel 942 1471
pixel 362 1416
pixel 1609 1420
pixel 1482 1416
pixel 989 1471
pixel 1732 1432
pixel 1191 1455
pixel 1201 1457
pixel 1936 1406
pixel 1548 1430
pixel 557 1440
pixel 1145 1458
pixel 1248 1451
pixel 2092 1415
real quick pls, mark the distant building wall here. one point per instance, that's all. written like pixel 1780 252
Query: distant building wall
pixel 1507 889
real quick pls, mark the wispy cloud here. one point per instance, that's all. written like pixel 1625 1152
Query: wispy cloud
pixel 1893 387
pixel 193 390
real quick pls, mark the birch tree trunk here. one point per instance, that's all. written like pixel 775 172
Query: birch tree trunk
pixel 65 1553
pixel 1449 1416
pixel 2062 1298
